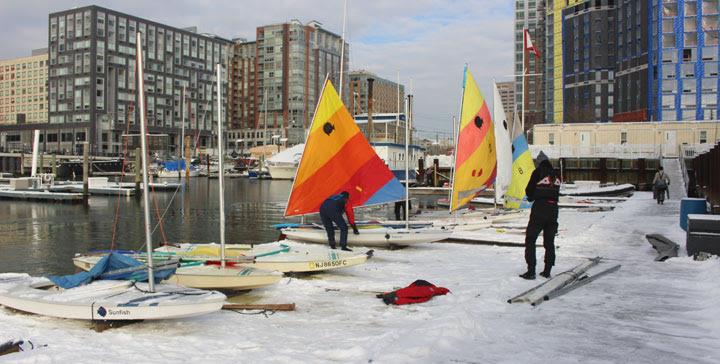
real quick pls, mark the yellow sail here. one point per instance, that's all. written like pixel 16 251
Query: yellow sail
pixel 475 156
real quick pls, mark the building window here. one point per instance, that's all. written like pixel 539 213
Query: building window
pixel 623 137
pixel 703 136
pixel 551 138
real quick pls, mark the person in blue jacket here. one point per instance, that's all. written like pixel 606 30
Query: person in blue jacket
pixel 331 212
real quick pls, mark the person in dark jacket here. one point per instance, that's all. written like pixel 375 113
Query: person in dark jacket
pixel 543 190
pixel 331 212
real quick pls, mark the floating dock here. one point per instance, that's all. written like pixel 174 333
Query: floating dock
pixel 41 195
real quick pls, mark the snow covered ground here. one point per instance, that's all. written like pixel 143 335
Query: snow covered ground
pixel 648 312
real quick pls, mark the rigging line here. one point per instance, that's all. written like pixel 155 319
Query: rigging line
pixel 166 209
pixel 122 170
pixel 152 188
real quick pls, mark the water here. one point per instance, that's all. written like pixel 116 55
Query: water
pixel 42 238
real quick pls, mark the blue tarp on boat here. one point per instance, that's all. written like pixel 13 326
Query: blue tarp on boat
pixel 173 165
pixel 112 266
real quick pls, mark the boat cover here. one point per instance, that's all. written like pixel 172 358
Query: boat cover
pixel 112 266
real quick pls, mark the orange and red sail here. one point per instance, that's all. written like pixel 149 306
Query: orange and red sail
pixel 475 155
pixel 337 158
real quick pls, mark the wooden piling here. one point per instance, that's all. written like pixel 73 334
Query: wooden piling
pixel 53 166
pixel 41 163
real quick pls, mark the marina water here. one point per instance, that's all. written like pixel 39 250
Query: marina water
pixel 42 238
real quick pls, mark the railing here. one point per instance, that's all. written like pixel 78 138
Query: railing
pixel 620 151
pixel 690 151
pixel 707 178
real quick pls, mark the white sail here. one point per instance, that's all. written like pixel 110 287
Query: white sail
pixel 503 146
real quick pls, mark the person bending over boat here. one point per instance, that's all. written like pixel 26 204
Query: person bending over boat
pixel 331 212
pixel 543 190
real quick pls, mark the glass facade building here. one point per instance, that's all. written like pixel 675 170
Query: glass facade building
pixel 92 80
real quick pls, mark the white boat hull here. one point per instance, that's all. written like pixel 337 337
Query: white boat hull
pixel 110 300
pixel 296 258
pixel 174 174
pixel 282 172
pixel 236 278
pixel 375 237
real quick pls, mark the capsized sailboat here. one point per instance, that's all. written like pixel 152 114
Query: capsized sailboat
pixel 111 299
pixel 337 157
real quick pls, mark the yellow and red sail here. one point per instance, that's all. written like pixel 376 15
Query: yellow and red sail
pixel 337 158
pixel 475 156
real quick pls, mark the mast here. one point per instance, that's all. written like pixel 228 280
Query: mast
pixel 265 120
pixel 522 113
pixel 457 138
pixel 407 167
pixel 143 147
pixel 397 118
pixel 182 134
pixel 342 50
pixel 221 168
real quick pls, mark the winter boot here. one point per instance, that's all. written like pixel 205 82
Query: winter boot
pixel 528 275
pixel 546 272
pixel 346 249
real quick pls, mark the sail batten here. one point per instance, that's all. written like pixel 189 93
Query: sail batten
pixel 475 154
pixel 337 157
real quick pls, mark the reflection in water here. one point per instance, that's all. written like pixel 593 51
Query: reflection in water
pixel 41 238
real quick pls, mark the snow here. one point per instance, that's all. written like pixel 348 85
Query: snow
pixel 290 155
pixel 647 312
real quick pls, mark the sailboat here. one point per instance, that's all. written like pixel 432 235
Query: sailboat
pixel 522 168
pixel 476 164
pixel 513 174
pixel 336 158
pixel 226 275
pixel 111 299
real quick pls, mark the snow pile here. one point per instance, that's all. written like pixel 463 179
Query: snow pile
pixel 647 312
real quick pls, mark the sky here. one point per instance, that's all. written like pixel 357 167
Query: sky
pixel 426 41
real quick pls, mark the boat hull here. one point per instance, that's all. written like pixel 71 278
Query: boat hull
pixel 236 278
pixel 282 172
pixel 174 174
pixel 110 300
pixel 273 256
pixel 379 237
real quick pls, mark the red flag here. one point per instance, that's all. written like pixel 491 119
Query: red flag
pixel 529 47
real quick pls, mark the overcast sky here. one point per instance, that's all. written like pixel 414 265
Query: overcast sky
pixel 426 40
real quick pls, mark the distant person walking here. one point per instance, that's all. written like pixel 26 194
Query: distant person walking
pixel 661 184
pixel 331 212
pixel 543 190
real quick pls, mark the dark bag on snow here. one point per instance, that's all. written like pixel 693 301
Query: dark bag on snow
pixel 417 292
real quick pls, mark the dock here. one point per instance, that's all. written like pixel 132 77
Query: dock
pixel 104 191
pixel 41 195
